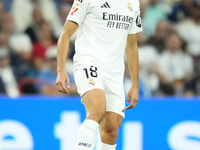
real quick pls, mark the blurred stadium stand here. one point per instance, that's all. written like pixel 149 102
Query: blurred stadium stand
pixel 29 27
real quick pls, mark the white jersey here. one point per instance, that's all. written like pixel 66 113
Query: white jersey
pixel 102 33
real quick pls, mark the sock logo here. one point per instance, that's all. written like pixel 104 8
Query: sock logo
pixel 85 144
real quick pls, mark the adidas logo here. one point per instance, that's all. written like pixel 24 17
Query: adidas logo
pixel 106 5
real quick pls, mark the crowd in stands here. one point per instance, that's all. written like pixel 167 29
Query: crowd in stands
pixel 169 47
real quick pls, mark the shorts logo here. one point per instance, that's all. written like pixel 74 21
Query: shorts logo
pixel 130 7
pixel 91 82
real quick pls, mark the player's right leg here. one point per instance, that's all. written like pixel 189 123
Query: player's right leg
pixel 90 87
pixel 95 104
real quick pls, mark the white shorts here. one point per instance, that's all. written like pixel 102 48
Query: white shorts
pixel 88 76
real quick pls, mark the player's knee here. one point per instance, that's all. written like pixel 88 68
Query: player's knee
pixel 97 115
pixel 100 113
pixel 110 128
pixel 112 133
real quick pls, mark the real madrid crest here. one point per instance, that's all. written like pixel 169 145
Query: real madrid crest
pixel 130 7
pixel 91 82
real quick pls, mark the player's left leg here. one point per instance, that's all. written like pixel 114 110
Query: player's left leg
pixel 109 127
pixel 111 121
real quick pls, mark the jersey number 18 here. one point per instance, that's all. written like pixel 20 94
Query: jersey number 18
pixel 92 70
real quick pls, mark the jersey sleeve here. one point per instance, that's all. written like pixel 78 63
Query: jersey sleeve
pixel 79 10
pixel 136 25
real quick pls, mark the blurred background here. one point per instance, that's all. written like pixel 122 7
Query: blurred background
pixel 34 115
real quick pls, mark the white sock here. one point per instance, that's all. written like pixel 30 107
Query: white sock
pixel 87 135
pixel 103 146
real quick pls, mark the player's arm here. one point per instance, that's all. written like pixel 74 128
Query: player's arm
pixel 63 47
pixel 133 65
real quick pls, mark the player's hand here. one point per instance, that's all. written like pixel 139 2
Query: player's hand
pixel 62 77
pixel 132 97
